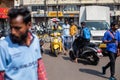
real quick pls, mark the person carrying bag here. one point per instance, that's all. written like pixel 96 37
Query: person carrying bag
pixel 117 43
pixel 111 39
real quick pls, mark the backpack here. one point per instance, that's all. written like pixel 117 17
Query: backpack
pixel 86 33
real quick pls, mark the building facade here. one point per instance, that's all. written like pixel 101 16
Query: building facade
pixel 46 9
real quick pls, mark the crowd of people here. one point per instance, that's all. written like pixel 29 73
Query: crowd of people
pixel 20 51
pixel 67 31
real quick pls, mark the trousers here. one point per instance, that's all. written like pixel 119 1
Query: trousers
pixel 111 64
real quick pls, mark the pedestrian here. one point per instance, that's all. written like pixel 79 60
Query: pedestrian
pixel 111 39
pixel 66 34
pixel 20 56
pixel 66 28
pixel 73 30
pixel 119 38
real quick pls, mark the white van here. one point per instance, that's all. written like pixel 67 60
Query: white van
pixel 97 18
pixel 98 28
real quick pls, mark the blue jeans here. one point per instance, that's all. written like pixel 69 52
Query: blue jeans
pixel 67 41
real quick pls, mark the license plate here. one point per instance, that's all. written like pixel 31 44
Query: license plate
pixel 102 45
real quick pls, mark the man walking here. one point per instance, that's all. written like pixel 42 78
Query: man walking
pixel 111 38
pixel 20 56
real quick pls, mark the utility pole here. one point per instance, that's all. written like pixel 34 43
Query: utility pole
pixel 115 17
pixel 45 13
pixel 57 8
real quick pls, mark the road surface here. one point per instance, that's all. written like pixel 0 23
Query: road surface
pixel 62 68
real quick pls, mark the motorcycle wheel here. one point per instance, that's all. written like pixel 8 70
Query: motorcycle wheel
pixel 93 58
pixel 71 54
pixel 56 51
pixel 46 38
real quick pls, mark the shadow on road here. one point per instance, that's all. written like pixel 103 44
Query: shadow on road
pixel 93 72
pixel 83 61
pixel 47 52
pixel 66 58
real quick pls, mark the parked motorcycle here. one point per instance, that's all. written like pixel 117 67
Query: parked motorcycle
pixel 89 52
pixel 56 43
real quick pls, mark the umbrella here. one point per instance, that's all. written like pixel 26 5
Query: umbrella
pixel 55 19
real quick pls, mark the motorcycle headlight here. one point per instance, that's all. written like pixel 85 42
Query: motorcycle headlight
pixel 55 34
pixel 56 40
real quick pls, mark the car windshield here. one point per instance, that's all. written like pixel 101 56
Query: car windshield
pixel 97 25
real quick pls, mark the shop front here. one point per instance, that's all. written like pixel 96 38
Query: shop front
pixel 72 17
pixel 3 20
pixel 55 14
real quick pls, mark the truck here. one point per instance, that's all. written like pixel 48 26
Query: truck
pixel 97 19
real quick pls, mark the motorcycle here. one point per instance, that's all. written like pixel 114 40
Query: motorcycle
pixel 56 43
pixel 89 52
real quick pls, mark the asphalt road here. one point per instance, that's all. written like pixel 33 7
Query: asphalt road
pixel 62 68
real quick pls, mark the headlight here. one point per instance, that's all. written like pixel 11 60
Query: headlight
pixel 56 40
pixel 55 34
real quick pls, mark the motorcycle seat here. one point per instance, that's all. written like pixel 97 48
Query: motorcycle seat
pixel 91 44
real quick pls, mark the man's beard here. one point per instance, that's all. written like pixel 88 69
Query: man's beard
pixel 20 40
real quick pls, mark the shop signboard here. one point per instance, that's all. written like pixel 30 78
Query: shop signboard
pixel 54 14
pixel 3 13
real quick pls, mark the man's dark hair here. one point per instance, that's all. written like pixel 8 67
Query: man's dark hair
pixel 66 20
pixel 23 11
pixel 113 23
pixel 82 23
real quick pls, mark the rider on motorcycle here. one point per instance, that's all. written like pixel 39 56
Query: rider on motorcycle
pixel 85 35
pixel 56 28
